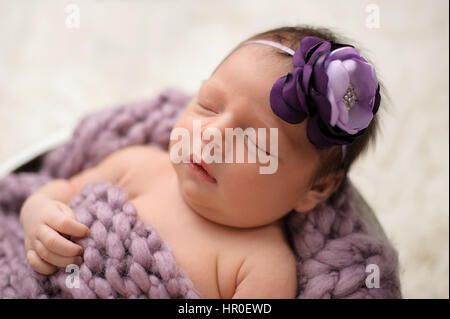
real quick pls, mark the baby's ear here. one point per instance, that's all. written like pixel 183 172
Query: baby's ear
pixel 319 191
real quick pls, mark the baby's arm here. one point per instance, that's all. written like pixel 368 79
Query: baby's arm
pixel 268 273
pixel 45 216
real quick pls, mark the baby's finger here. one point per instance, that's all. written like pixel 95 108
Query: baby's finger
pixel 55 259
pixel 65 209
pixel 56 243
pixel 38 264
pixel 65 224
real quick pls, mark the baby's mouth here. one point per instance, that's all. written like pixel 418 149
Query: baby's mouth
pixel 201 169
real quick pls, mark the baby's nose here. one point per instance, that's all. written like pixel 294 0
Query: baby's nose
pixel 218 127
pixel 214 137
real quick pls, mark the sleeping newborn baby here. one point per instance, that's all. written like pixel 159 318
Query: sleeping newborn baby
pixel 224 219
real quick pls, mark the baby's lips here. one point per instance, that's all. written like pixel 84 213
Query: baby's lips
pixel 194 158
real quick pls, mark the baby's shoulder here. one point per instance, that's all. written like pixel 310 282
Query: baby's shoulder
pixel 140 163
pixel 266 267
pixel 142 158
pixel 141 152
pixel 270 248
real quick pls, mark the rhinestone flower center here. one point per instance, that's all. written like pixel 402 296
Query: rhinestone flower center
pixel 349 97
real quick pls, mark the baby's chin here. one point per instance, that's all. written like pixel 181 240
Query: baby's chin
pixel 199 198
pixel 192 188
pixel 202 198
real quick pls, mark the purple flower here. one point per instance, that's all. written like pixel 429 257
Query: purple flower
pixel 332 85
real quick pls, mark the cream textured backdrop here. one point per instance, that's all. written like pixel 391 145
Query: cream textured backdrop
pixel 50 76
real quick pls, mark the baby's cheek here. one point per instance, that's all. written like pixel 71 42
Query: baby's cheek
pixel 245 172
pixel 243 178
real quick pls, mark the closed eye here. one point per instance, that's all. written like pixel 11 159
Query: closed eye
pixel 260 148
pixel 206 108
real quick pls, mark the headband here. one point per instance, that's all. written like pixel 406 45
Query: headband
pixel 333 85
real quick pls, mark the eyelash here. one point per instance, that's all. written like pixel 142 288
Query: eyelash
pixel 262 150
pixel 207 109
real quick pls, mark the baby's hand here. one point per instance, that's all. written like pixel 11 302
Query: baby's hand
pixel 45 222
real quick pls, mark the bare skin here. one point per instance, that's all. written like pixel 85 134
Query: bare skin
pixel 222 261
pixel 228 235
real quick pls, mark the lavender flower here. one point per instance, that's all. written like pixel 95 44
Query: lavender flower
pixel 334 86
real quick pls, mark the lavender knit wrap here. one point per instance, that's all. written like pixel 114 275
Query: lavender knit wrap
pixel 123 258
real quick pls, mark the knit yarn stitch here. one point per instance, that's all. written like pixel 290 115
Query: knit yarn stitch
pixel 335 244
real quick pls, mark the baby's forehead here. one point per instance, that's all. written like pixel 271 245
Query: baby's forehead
pixel 242 97
pixel 249 72
pixel 256 60
pixel 250 110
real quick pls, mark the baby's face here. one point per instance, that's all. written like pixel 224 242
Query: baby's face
pixel 237 96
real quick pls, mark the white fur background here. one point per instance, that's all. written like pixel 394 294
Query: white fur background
pixel 123 51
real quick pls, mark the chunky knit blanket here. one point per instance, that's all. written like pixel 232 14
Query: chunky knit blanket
pixel 341 249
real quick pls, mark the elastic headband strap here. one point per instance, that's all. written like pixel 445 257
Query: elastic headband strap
pixel 291 52
pixel 273 44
